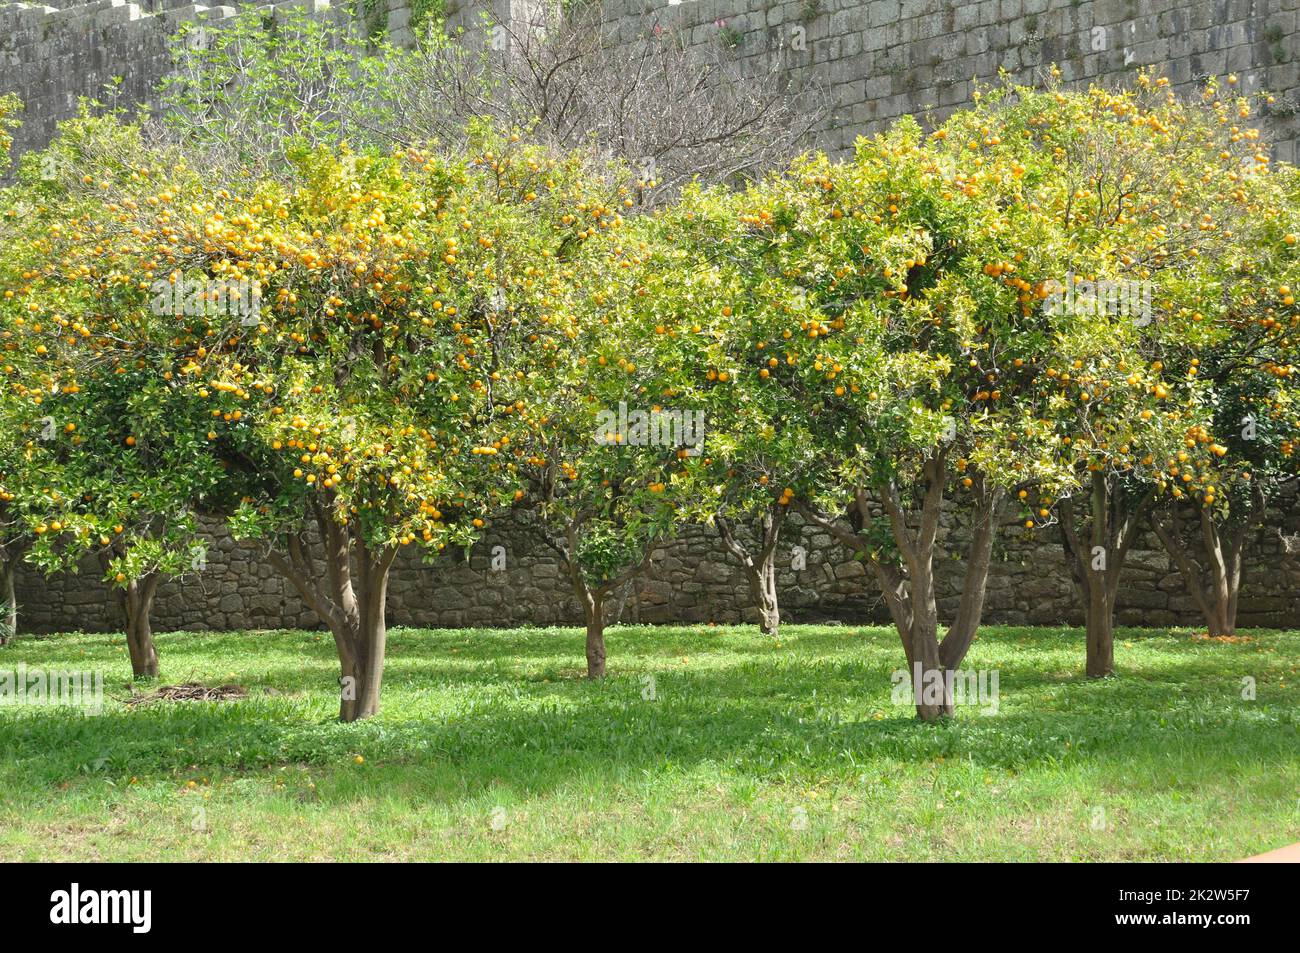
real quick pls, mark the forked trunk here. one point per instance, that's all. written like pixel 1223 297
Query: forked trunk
pixel 909 590
pixel 760 566
pixel 986 516
pixel 1111 526
pixel 1219 551
pixel 930 687
pixel 137 602
pixel 350 598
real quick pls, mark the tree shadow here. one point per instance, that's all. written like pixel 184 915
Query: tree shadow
pixel 456 725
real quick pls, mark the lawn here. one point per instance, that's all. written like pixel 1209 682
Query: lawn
pixel 705 742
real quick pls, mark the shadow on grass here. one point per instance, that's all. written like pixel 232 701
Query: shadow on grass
pixel 503 710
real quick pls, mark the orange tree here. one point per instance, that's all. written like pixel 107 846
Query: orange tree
pixel 100 456
pixel 378 395
pixel 725 306
pixel 1145 196
pixel 102 491
pixel 894 367
pixel 610 429
pixel 19 461
pixel 12 541
pixel 1216 486
pixel 345 331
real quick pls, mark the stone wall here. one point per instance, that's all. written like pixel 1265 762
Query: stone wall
pixel 876 60
pixel 881 59
pixel 692 579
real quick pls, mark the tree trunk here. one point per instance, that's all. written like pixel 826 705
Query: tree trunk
pixel 1221 622
pixel 932 694
pixel 1099 624
pixel 595 637
pixel 1112 526
pixel 979 557
pixel 760 567
pixel 362 663
pixel 930 686
pixel 761 577
pixel 137 601
pixel 909 589
pixel 762 586
pixel 361 635
pixel 1220 552
pixel 8 601
pixel 593 616
pixel 351 600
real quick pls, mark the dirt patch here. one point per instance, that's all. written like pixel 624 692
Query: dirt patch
pixel 190 692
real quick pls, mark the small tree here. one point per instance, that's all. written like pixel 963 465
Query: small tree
pixel 102 457
pixel 724 304
pixel 1216 488
pixel 1147 194
pixel 603 463
pixel 132 475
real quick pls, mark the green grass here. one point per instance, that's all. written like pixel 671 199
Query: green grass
pixel 749 750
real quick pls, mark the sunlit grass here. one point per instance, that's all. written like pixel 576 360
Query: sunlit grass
pixel 704 742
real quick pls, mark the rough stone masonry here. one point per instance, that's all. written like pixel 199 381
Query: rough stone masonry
pixel 876 60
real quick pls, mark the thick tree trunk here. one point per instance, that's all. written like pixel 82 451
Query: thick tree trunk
pixel 351 600
pixel 1099 626
pixel 1111 528
pixel 909 589
pixel 137 602
pixel 8 601
pixel 361 636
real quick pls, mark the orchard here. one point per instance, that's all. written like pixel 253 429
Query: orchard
pixel 1071 310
